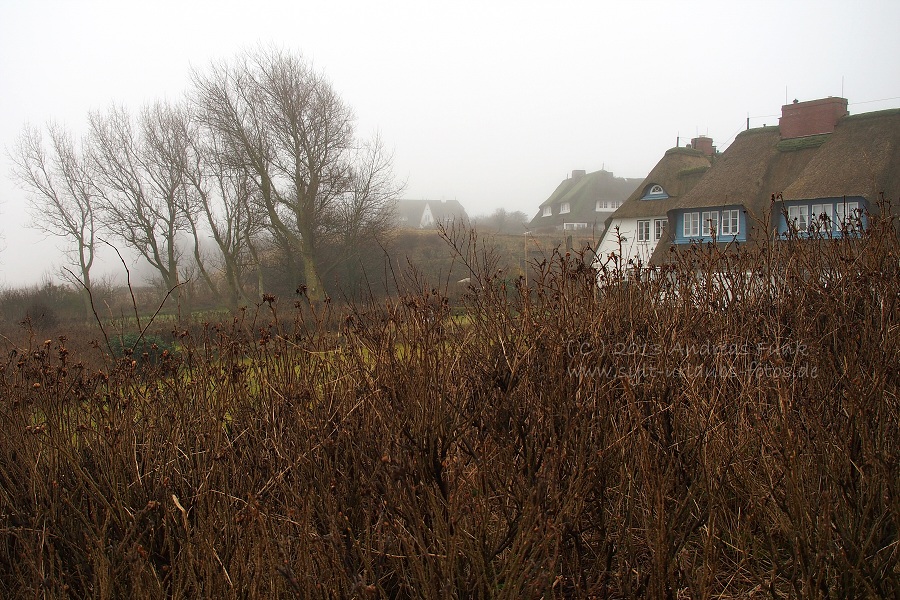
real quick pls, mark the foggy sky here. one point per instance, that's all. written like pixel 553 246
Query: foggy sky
pixel 489 103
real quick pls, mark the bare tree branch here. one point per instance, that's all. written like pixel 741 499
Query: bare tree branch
pixel 295 139
pixel 62 195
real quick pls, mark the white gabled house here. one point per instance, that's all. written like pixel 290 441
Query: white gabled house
pixel 426 214
pixel 633 231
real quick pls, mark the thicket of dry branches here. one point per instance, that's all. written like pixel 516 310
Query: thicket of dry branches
pixel 723 427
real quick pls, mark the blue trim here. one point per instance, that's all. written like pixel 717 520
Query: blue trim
pixel 679 216
pixel 656 196
pixel 782 208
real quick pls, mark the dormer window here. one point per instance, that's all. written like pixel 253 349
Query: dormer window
pixel 548 211
pixel 563 208
pixel 654 191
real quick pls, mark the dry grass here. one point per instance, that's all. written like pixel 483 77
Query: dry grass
pixel 725 428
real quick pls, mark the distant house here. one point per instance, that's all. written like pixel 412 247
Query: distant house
pixel 583 201
pixel 426 214
pixel 817 169
pixel 633 231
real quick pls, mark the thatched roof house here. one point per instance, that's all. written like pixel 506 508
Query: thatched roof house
pixel 633 230
pixel 832 166
pixel 676 173
pixel 583 201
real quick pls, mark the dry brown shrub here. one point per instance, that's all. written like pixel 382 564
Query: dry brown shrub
pixel 725 426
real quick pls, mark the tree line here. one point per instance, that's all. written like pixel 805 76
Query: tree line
pixel 261 156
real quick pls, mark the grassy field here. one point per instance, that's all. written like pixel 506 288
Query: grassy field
pixel 653 438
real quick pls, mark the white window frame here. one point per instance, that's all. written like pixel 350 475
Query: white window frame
pixel 710 223
pixel 658 227
pixel 799 216
pixel 731 222
pixel 845 214
pixel 643 231
pixel 597 206
pixel 564 208
pixel 574 226
pixel 691 225
pixel 820 210
pixel 548 211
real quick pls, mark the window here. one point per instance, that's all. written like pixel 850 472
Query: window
pixel 823 216
pixel 654 191
pixel 643 231
pixel 571 226
pixel 597 206
pixel 846 214
pixel 710 223
pixel 548 211
pixel 658 225
pixel 563 208
pixel 691 224
pixel 730 222
pixel 799 216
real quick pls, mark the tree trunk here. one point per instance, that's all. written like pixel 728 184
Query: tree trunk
pixel 314 288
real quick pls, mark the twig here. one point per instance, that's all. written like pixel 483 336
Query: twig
pixel 93 308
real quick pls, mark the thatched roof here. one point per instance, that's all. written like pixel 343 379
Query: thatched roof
pixel 582 193
pixel 861 158
pixel 678 171
pixel 749 172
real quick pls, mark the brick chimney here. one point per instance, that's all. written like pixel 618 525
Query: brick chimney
pixel 703 144
pixel 810 118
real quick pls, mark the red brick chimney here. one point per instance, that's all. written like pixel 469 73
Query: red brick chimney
pixel 810 118
pixel 703 144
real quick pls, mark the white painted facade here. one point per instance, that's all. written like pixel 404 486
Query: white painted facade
pixel 631 239
pixel 427 218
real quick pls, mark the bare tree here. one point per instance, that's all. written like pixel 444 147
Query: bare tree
pixel 296 140
pixel 367 211
pixel 227 209
pixel 145 200
pixel 62 196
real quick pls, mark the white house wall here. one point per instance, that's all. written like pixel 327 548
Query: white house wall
pixel 427 218
pixel 630 248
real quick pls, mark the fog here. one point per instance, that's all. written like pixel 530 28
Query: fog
pixel 491 104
